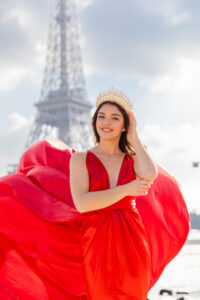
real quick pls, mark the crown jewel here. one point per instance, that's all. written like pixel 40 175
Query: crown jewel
pixel 115 96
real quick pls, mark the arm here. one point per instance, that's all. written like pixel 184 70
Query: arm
pixel 144 166
pixel 79 183
pixel 87 201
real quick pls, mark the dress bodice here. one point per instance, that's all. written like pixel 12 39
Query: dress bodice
pixel 99 179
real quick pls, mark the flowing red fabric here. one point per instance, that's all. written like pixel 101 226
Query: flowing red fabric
pixel 49 250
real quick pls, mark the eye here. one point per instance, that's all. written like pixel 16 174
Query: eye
pixel 115 118
pixel 101 117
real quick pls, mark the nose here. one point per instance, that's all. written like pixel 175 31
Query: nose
pixel 106 121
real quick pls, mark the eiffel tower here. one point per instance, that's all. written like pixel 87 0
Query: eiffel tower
pixel 63 109
pixel 63 106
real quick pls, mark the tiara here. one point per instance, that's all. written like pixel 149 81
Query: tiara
pixel 116 96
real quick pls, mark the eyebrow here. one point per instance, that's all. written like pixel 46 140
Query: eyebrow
pixel 112 114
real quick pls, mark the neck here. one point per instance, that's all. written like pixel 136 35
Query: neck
pixel 110 147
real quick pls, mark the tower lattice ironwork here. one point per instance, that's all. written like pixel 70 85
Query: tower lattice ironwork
pixel 63 108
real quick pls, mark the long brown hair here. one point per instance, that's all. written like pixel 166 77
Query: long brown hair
pixel 124 145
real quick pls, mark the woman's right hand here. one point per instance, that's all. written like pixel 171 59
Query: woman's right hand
pixel 138 187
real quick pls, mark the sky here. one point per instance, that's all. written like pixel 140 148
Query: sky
pixel 148 49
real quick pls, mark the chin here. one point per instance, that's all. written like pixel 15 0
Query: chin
pixel 107 138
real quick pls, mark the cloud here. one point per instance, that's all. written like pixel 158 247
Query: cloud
pixel 20 15
pixel 173 142
pixel 174 95
pixel 10 77
pixel 175 148
pixel 135 40
pixel 13 140
pixel 132 40
pixel 23 43
pixel 83 4
pixel 17 122
pixel 184 76
pixel 172 11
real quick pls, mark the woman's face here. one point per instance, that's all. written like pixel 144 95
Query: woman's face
pixel 110 122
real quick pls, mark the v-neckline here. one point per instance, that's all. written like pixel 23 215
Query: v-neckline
pixel 120 170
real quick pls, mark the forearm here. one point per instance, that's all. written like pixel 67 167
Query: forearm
pixel 146 167
pixel 99 199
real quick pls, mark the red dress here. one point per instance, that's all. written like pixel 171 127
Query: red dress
pixel 50 251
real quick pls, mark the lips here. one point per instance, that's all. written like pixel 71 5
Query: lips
pixel 106 129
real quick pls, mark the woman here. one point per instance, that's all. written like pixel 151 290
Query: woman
pixel 78 234
pixel 116 134
pixel 124 270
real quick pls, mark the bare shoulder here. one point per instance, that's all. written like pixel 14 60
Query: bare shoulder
pixel 78 159
pixel 79 155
